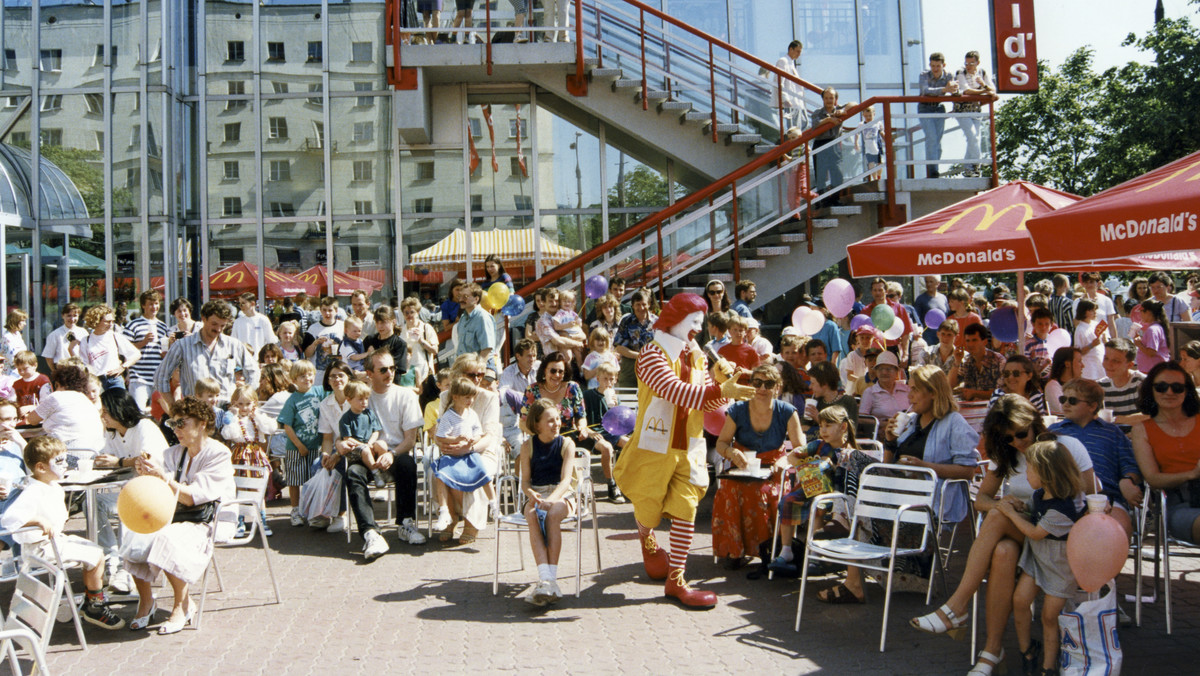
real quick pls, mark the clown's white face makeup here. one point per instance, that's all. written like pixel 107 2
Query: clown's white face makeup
pixel 689 328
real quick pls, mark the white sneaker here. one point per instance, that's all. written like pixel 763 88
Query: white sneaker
pixel 555 592
pixel 319 522
pixel 443 519
pixel 543 593
pixel 374 546
pixel 338 525
pixel 408 532
pixel 121 582
pixel 297 520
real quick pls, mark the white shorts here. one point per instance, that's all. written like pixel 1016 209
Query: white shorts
pixel 72 549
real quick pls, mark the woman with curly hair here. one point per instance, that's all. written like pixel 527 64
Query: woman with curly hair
pixel 107 353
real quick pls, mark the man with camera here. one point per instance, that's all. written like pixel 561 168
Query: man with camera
pixel 62 340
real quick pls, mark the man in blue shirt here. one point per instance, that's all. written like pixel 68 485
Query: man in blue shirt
pixel 1109 448
pixel 476 328
pixel 746 292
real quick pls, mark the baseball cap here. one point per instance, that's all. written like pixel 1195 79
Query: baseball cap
pixel 886 358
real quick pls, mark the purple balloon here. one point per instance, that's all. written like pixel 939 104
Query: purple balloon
pixel 514 399
pixel 1003 324
pixel 618 421
pixel 934 318
pixel 859 321
pixel 595 286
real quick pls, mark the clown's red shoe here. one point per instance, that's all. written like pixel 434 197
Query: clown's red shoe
pixel 654 557
pixel 678 588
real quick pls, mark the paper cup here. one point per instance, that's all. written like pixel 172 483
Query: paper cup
pixel 1106 414
pixel 1096 503
pixel 753 465
pixel 86 462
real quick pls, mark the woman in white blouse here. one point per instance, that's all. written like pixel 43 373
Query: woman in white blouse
pixel 107 353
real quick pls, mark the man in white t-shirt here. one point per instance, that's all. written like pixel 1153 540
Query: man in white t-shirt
pixel 360 307
pixel 252 327
pixel 58 344
pixel 792 96
pixel 1105 311
pixel 324 337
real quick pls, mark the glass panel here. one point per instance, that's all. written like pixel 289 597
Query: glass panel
pixel 19 63
pixel 155 138
pixel 830 42
pixel 126 154
pixel 509 186
pixel 421 233
pixel 127 39
pixel 231 136
pixel 432 184
pixel 356 46
pixel 294 246
pixel 365 249
pixel 128 244
pixel 761 27
pixel 285 33
pixel 362 161
pixel 228 44
pixel 152 53
pixel 71 45
pixel 631 186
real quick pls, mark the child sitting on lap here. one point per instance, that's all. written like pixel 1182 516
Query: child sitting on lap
pixel 362 426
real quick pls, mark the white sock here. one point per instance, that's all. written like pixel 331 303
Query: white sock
pixel 544 572
pixel 786 552
pixel 552 569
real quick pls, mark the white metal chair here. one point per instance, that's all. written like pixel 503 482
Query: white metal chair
pixel 251 490
pixel 904 499
pixel 968 487
pixel 25 638
pixel 508 490
pixel 36 602
pixel 868 427
pixel 1153 514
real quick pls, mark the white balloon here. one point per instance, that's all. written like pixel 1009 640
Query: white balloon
pixel 895 330
pixel 812 322
pixel 1058 338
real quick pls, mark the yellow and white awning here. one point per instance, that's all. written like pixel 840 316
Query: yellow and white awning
pixel 511 246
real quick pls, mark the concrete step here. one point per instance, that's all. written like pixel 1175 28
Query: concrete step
pixel 590 62
pixel 759 149
pixel 606 73
pixel 652 95
pixel 742 137
pixel 626 83
pixel 698 290
pixel 679 107
pixel 722 128
pixel 870 197
pixel 766 251
pixel 844 211
pixel 696 116
pixel 726 264
pixel 781 238
pixel 825 222
pixel 703 279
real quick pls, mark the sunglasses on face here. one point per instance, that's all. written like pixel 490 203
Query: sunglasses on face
pixel 759 382
pixel 1022 435
pixel 1177 388
pixel 1013 374
pixel 716 292
pixel 386 369
pixel 476 374
pixel 1064 400
pixel 556 371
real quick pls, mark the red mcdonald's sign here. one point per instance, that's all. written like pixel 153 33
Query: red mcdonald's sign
pixel 1015 46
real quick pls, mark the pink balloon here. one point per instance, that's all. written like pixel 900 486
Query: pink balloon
pixel 798 316
pixel 714 421
pixel 839 297
pixel 813 322
pixel 1096 549
pixel 1058 338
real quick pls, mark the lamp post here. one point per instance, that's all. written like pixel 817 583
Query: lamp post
pixel 578 193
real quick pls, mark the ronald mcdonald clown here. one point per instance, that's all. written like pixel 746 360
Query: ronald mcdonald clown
pixel 662 469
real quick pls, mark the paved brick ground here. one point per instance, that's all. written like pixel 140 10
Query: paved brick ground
pixel 431 607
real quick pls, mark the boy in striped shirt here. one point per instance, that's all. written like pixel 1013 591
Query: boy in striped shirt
pixel 149 334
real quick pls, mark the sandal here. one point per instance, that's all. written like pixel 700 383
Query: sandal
pixel 942 621
pixel 448 533
pixel 989 664
pixel 1031 659
pixel 840 594
pixel 468 535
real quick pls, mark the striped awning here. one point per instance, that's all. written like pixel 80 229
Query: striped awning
pixel 512 246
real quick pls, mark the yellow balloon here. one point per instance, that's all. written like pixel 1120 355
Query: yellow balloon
pixel 146 504
pixel 486 303
pixel 498 294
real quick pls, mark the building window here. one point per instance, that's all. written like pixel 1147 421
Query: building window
pixel 364 101
pixel 233 132
pixel 135 137
pixel 476 207
pixel 157 54
pixel 361 208
pixel 10 59
pixel 425 171
pixel 277 128
pixel 476 127
pixel 133 179
pixel 282 209
pixel 279 87
pixel 514 165
pixel 100 141
pixel 360 52
pixel 362 170
pixel 230 255
pixel 51 137
pixel 318 141
pixel 315 88
pixel 315 53
pixel 280 170
pixel 155 180
pixel 523 202
pixel 20 138
pixel 11 102
pixel 231 207
pixel 364 132
pixel 512 128
pixel 51 102
pixel 236 51
pixel 423 205
pixel 51 61
pixel 275 51
pixel 151 143
pixel 98 59
pixel 236 88
pixel 95 103
pixel 289 259
pixel 231 170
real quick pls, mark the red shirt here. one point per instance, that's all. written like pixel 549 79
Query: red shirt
pixel 741 355
pixel 29 391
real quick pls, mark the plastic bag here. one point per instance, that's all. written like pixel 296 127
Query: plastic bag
pixel 319 496
pixel 1089 644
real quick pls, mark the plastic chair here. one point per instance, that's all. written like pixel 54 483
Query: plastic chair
pixel 514 521
pixel 251 490
pixel 35 603
pixel 898 499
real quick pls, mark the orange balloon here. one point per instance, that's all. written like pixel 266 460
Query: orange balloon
pixel 146 504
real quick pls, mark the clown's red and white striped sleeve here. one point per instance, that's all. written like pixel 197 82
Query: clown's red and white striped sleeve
pixel 654 369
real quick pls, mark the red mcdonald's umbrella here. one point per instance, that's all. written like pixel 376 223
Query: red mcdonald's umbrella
pixel 982 234
pixel 344 283
pixel 1155 212
pixel 242 277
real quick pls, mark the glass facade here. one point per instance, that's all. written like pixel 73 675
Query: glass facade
pixel 164 140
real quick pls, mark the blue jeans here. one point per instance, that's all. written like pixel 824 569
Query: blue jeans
pixel 111 382
pixel 933 128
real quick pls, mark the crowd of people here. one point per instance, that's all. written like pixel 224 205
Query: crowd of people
pixel 318 386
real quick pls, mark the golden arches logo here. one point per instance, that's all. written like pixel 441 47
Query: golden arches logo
pixel 990 216
pixel 657 425
pixel 276 277
pixel 1174 175
pixel 229 277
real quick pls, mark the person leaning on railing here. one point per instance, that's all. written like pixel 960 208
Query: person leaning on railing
pixel 827 161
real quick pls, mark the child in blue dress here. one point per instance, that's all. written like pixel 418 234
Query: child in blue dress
pixel 458 424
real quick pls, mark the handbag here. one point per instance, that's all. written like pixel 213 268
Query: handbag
pixel 202 513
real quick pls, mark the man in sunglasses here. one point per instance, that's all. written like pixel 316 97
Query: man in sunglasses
pixel 1109 448
pixel 1122 381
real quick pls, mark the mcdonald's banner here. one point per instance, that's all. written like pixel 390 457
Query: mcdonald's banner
pixel 344 283
pixel 983 234
pixel 243 277
pixel 1156 212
